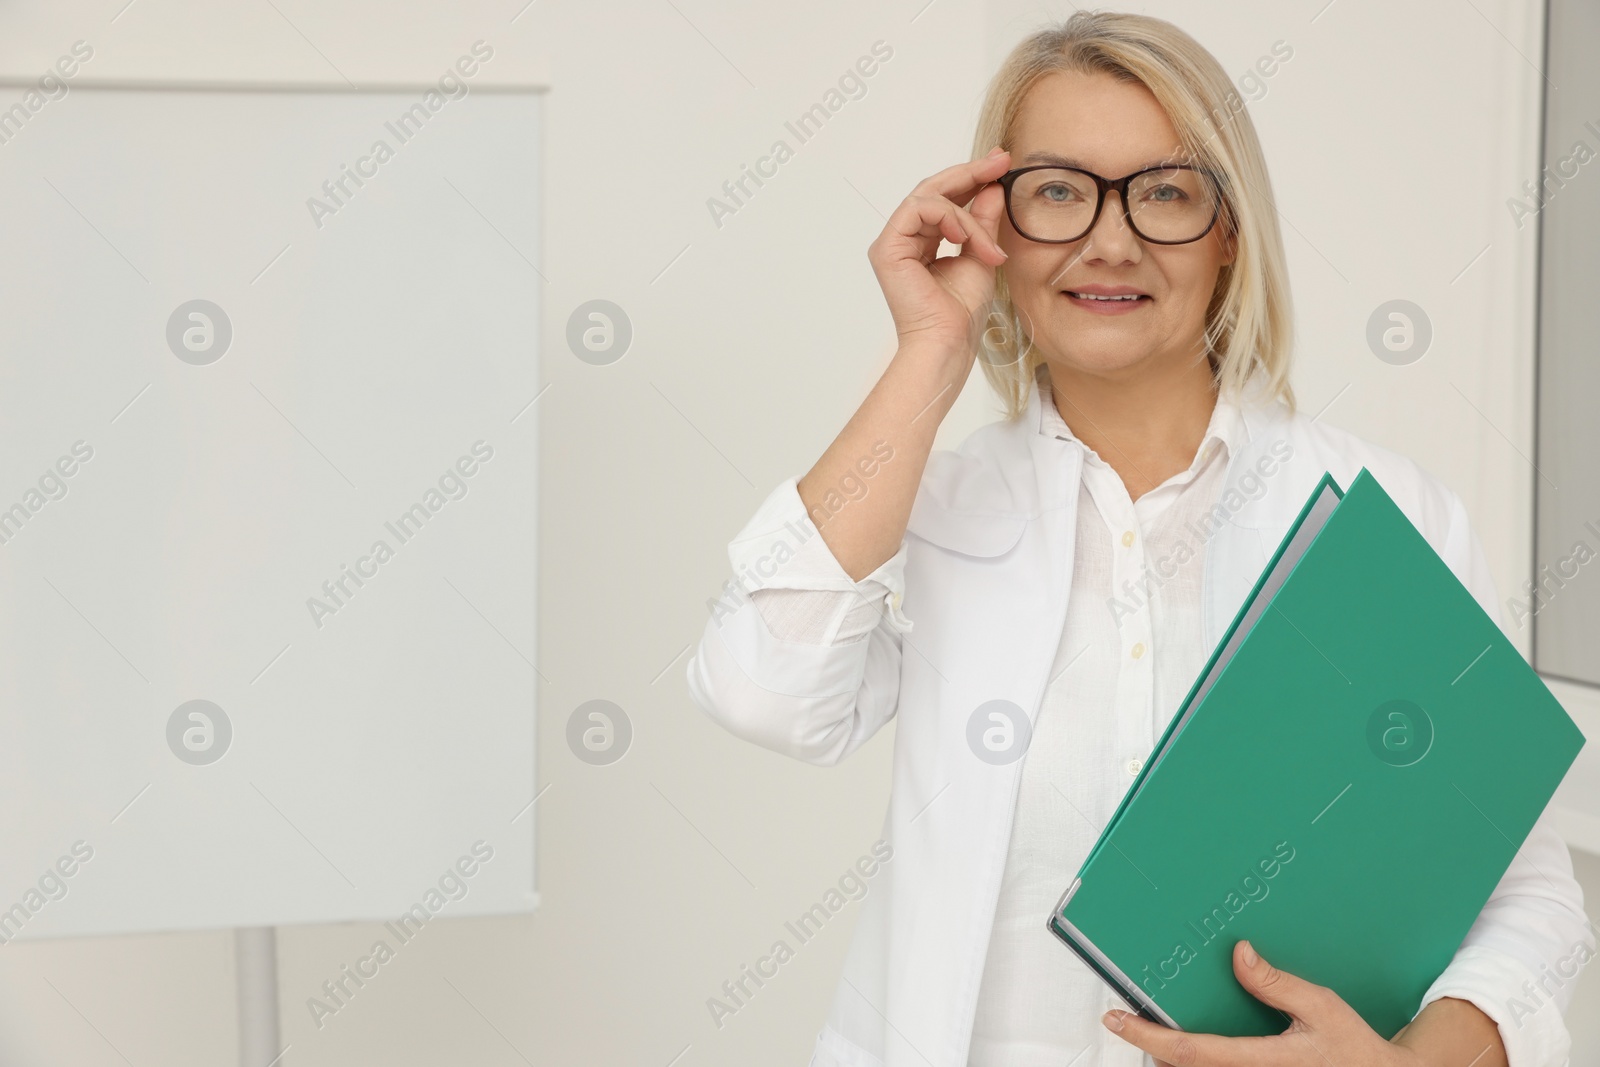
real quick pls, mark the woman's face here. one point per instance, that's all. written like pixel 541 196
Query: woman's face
pixel 1113 128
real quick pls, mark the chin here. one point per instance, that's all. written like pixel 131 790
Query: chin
pixel 1109 367
pixel 1116 356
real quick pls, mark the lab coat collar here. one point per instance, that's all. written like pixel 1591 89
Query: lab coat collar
pixel 978 498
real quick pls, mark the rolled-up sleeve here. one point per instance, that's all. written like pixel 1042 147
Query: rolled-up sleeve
pixel 781 561
pixel 796 655
pixel 1520 960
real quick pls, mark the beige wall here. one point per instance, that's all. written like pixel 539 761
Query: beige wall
pixel 664 873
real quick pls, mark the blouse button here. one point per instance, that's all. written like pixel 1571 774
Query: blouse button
pixel 1127 539
pixel 1134 765
pixel 1138 650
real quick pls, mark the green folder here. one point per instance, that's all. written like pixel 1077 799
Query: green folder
pixel 1344 785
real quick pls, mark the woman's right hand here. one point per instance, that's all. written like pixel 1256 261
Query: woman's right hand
pixel 934 300
pixel 935 304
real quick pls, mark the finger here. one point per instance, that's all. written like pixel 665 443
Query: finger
pixel 952 227
pixel 1182 1049
pixel 1316 1005
pixel 980 242
pixel 985 211
pixel 960 182
pixel 926 219
pixel 988 206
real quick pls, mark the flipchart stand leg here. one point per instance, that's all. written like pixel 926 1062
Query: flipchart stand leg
pixel 256 961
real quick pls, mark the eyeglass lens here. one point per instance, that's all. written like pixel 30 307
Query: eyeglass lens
pixel 1057 204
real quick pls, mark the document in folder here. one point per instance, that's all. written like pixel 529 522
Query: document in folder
pixel 1344 785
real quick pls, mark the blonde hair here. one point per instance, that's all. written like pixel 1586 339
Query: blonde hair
pixel 1249 320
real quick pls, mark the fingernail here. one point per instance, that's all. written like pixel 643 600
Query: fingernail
pixel 1113 1020
pixel 1249 954
pixel 996 150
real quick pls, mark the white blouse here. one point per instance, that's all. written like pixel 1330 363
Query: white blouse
pixel 1129 650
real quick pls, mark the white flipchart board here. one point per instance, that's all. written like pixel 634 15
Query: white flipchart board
pixel 381 363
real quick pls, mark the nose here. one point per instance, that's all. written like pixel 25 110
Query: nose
pixel 1111 239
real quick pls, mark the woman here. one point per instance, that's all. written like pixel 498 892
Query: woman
pixel 1138 331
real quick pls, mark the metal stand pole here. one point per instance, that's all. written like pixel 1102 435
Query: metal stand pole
pixel 256 961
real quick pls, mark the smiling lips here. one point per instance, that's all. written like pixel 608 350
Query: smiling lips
pixel 1107 299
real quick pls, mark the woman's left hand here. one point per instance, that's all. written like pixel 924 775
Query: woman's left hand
pixel 1323 1029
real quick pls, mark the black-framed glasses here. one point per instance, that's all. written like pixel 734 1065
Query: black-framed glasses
pixel 1168 205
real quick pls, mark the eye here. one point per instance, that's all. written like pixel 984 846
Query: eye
pixel 1058 192
pixel 1166 194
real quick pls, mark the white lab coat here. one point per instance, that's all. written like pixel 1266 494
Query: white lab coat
pixel 986 571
